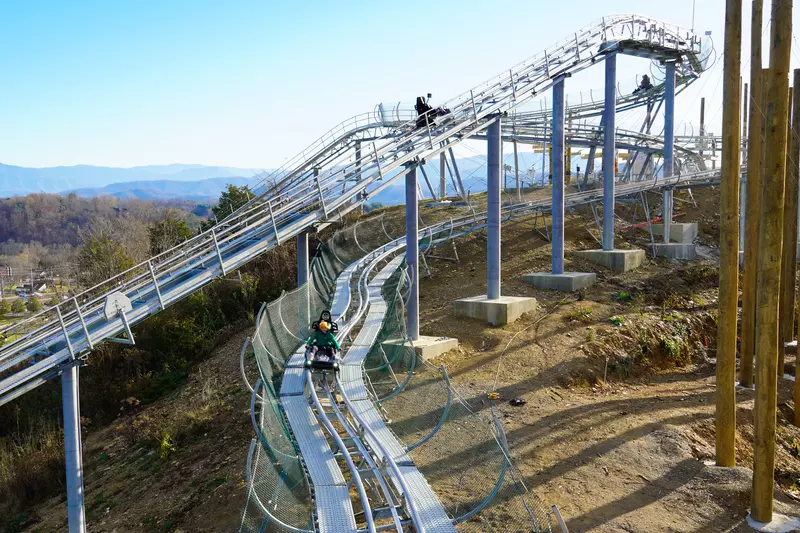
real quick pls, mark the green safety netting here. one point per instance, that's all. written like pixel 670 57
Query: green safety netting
pixel 457 444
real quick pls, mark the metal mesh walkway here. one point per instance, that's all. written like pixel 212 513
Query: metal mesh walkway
pixel 432 515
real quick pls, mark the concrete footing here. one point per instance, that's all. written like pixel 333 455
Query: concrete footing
pixel 567 282
pixel 503 310
pixel 429 347
pixel 439 203
pixel 616 260
pixel 680 232
pixel 780 524
pixel 674 250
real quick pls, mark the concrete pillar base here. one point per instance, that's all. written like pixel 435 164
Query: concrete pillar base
pixel 673 250
pixel 567 282
pixel 616 260
pixel 503 310
pixel 439 203
pixel 429 347
pixel 684 233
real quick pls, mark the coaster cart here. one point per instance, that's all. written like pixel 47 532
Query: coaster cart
pixel 321 360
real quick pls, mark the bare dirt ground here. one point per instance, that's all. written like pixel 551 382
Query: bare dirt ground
pixel 623 446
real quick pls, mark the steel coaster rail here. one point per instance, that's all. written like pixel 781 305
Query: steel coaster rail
pixel 389 460
pixel 590 36
pixel 388 496
pixel 356 477
pixel 235 237
pixel 447 227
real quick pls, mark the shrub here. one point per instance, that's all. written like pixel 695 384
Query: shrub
pixel 18 306
pixel 581 314
pixel 34 305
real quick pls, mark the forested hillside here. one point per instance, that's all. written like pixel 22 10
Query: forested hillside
pixel 105 236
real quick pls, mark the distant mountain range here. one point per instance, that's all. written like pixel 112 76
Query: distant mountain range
pixel 16 180
pixel 207 190
pixel 196 182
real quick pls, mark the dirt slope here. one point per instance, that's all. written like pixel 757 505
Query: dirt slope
pixel 192 481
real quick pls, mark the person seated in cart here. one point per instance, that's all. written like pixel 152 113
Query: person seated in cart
pixel 645 85
pixel 426 113
pixel 322 344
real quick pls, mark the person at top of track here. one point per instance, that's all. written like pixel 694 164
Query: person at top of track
pixel 424 111
pixel 645 85
pixel 323 340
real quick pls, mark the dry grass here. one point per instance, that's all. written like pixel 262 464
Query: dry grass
pixel 31 467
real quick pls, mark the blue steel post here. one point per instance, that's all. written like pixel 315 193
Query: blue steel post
pixel 303 279
pixel 73 455
pixel 609 147
pixel 493 211
pixel 669 144
pixel 558 177
pixel 412 252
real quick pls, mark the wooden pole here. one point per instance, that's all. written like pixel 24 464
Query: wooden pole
pixel 793 178
pixel 770 240
pixel 753 200
pixel 743 182
pixel 729 240
pixel 789 255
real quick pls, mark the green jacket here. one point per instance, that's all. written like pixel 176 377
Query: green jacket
pixel 323 339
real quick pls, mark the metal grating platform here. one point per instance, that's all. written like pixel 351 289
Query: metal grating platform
pixel 334 509
pixel 430 509
pixel 322 466
pixel 370 416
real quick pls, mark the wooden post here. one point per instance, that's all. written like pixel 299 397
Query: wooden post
pixel 729 240
pixel 793 180
pixel 753 200
pixel 789 255
pixel 770 240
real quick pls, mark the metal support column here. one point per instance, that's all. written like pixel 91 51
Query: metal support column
pixel 458 173
pixel 516 171
pixel 609 148
pixel 558 177
pixel 442 176
pixel 73 453
pixel 666 212
pixel 493 210
pixel 303 278
pixel 669 144
pixel 412 252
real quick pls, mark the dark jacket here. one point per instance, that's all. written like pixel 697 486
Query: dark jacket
pixel 319 338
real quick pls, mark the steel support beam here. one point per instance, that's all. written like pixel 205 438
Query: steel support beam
pixel 458 173
pixel 412 252
pixel 73 453
pixel 516 171
pixel 558 177
pixel 442 176
pixel 494 165
pixel 303 279
pixel 669 145
pixel 609 147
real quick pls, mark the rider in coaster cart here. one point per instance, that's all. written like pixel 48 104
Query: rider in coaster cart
pixel 322 347
pixel 426 113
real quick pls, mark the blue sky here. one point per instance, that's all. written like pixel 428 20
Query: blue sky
pixel 250 83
